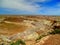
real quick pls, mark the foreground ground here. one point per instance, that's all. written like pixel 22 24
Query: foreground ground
pixel 32 30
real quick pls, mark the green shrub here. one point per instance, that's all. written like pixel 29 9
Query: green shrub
pixel 56 31
pixel 40 37
pixel 18 42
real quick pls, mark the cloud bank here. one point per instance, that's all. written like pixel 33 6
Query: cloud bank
pixel 19 5
pixel 32 6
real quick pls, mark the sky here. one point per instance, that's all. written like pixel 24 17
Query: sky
pixel 30 7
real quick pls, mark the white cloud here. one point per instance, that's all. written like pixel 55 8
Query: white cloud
pixel 22 5
pixel 40 0
pixel 19 4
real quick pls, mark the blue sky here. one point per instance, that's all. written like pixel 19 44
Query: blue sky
pixel 37 7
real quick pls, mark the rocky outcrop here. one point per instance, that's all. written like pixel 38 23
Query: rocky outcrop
pixel 29 28
pixel 50 40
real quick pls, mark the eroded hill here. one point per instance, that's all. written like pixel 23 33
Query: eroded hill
pixel 30 29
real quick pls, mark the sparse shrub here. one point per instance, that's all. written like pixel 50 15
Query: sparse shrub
pixel 18 42
pixel 40 37
pixel 56 31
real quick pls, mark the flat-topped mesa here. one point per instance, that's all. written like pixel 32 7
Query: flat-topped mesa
pixel 13 19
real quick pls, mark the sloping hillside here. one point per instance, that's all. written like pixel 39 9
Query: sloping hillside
pixel 30 29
